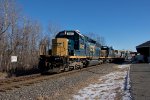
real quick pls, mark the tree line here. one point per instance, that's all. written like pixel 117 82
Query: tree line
pixel 21 36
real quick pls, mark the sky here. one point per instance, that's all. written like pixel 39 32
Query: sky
pixel 123 23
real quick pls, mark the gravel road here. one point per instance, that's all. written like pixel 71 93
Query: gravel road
pixel 62 88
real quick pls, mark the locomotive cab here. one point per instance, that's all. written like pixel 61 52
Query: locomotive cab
pixel 75 42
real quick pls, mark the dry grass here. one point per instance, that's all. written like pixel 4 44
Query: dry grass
pixel 3 75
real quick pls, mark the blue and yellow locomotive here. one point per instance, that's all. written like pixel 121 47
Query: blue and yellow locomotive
pixel 73 50
pixel 70 50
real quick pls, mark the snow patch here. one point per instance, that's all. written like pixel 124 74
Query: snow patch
pixel 124 66
pixel 108 87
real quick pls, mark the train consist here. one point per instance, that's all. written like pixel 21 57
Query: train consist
pixel 73 50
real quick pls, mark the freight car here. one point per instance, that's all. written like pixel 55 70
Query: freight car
pixel 73 50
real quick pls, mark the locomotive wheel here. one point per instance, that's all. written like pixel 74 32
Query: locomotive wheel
pixel 81 66
pixel 58 71
pixel 66 69
pixel 76 67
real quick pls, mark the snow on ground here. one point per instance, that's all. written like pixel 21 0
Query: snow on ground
pixel 112 86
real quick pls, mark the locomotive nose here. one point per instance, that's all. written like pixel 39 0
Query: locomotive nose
pixel 60 47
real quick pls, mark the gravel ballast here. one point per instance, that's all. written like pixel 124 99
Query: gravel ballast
pixel 60 88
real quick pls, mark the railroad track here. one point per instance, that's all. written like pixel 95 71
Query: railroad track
pixel 18 82
pixel 15 82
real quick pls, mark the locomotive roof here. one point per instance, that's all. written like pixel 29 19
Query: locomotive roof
pixel 78 32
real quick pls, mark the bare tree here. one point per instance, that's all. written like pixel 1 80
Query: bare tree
pixel 3 27
pixel 19 36
pixel 99 39
pixel 91 35
pixel 30 38
pixel 53 29
pixel 43 46
pixel 45 42
pixel 8 15
pixel 4 24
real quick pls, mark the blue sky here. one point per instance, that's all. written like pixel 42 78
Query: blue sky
pixel 123 23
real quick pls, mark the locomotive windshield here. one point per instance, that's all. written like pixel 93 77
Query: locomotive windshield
pixel 66 34
pixel 69 33
pixel 74 38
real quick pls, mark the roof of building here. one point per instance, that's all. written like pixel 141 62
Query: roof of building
pixel 146 44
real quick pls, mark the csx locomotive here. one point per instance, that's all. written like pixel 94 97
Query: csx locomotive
pixel 73 50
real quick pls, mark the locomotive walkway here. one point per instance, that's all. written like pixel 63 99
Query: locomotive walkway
pixel 140 81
